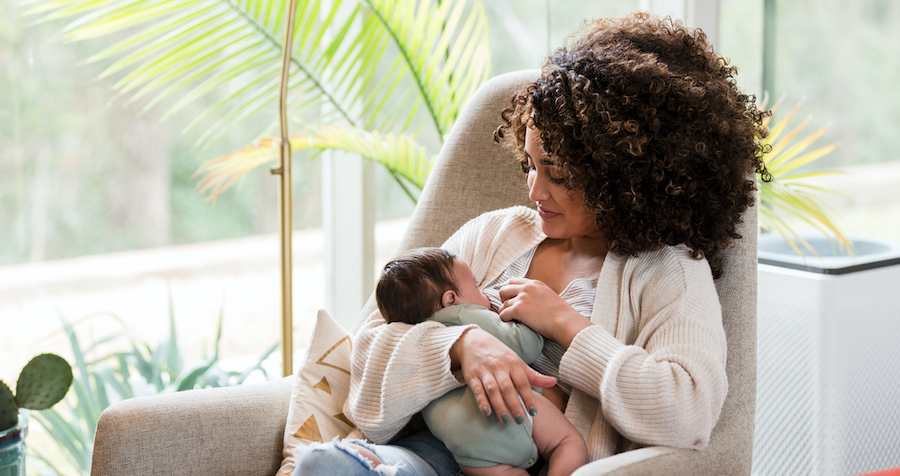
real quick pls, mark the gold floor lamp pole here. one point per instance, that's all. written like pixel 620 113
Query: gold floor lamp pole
pixel 285 223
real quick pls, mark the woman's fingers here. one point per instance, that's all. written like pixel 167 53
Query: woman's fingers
pixel 508 310
pixel 510 390
pixel 504 312
pixel 497 376
pixel 490 398
pixel 510 398
pixel 513 288
pixel 480 396
pixel 512 295
pixel 524 390
pixel 537 379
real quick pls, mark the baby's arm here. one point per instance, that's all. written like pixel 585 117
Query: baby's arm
pixel 517 336
pixel 557 440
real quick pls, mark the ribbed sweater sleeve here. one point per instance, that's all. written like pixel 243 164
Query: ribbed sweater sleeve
pixel 665 385
pixel 397 369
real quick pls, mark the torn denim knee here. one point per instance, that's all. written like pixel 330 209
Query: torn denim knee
pixel 347 447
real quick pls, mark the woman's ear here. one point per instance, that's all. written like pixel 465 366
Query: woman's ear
pixel 449 298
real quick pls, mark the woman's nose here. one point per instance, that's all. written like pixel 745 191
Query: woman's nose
pixel 537 189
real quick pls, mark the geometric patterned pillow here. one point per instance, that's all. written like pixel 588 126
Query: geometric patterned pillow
pixel 320 390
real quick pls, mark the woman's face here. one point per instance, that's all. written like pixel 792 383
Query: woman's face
pixel 562 211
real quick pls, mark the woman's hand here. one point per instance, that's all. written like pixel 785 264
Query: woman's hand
pixel 534 304
pixel 496 375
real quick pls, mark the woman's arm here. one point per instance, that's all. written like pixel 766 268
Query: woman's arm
pixel 397 370
pixel 668 386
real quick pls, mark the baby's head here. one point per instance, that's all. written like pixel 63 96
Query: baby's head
pixel 423 281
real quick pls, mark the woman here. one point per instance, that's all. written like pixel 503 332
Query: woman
pixel 638 149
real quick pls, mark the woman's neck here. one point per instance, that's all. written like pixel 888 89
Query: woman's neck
pixel 586 247
pixel 558 261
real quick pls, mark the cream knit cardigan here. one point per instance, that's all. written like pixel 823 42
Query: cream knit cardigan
pixel 650 371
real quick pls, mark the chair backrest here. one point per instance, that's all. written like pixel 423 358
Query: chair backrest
pixel 473 174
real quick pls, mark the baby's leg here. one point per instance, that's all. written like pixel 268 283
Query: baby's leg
pixel 498 470
pixel 557 439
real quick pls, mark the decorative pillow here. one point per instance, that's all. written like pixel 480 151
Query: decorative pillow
pixel 322 384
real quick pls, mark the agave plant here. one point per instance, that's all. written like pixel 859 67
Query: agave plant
pixel 787 195
pixel 357 66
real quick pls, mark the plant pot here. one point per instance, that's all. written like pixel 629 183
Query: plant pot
pixel 12 447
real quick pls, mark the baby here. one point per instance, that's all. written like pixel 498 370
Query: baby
pixel 433 284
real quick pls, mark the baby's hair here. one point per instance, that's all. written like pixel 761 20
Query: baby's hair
pixel 410 287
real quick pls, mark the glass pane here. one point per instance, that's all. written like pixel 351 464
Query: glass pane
pixel 741 41
pixel 840 55
pixel 838 58
pixel 100 221
pixel 519 29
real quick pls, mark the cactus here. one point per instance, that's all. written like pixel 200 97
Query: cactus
pixel 9 414
pixel 44 381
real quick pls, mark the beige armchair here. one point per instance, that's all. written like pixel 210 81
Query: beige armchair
pixel 239 430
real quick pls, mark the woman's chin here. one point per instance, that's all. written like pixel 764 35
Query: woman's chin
pixel 551 231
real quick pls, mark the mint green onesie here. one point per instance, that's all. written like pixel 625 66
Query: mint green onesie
pixel 454 418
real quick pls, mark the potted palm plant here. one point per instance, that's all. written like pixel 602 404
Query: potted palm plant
pixel 43 382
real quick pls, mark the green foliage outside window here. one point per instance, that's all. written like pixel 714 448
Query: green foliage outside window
pixel 116 367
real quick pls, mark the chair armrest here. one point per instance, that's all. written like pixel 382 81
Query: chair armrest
pixel 222 431
pixel 660 461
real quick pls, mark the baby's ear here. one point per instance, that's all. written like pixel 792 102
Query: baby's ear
pixel 449 298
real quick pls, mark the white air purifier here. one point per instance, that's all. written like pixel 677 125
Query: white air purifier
pixel 828 383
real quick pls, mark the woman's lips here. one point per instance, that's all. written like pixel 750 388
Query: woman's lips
pixel 546 214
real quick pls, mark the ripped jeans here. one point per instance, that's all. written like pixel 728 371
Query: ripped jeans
pixel 418 454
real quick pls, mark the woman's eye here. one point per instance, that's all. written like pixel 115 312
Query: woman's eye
pixel 527 167
pixel 557 176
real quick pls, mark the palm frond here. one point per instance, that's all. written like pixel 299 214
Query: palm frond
pixel 791 159
pixel 197 47
pixel 779 145
pixel 188 50
pixel 398 152
pixel 446 49
pixel 814 173
pixel 786 194
pixel 771 222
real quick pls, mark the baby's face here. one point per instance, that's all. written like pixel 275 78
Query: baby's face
pixel 468 289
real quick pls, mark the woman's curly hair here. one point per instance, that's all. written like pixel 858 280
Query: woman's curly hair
pixel 647 120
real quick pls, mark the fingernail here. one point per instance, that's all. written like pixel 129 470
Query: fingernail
pixel 520 419
pixel 532 411
pixel 486 410
pixel 505 418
